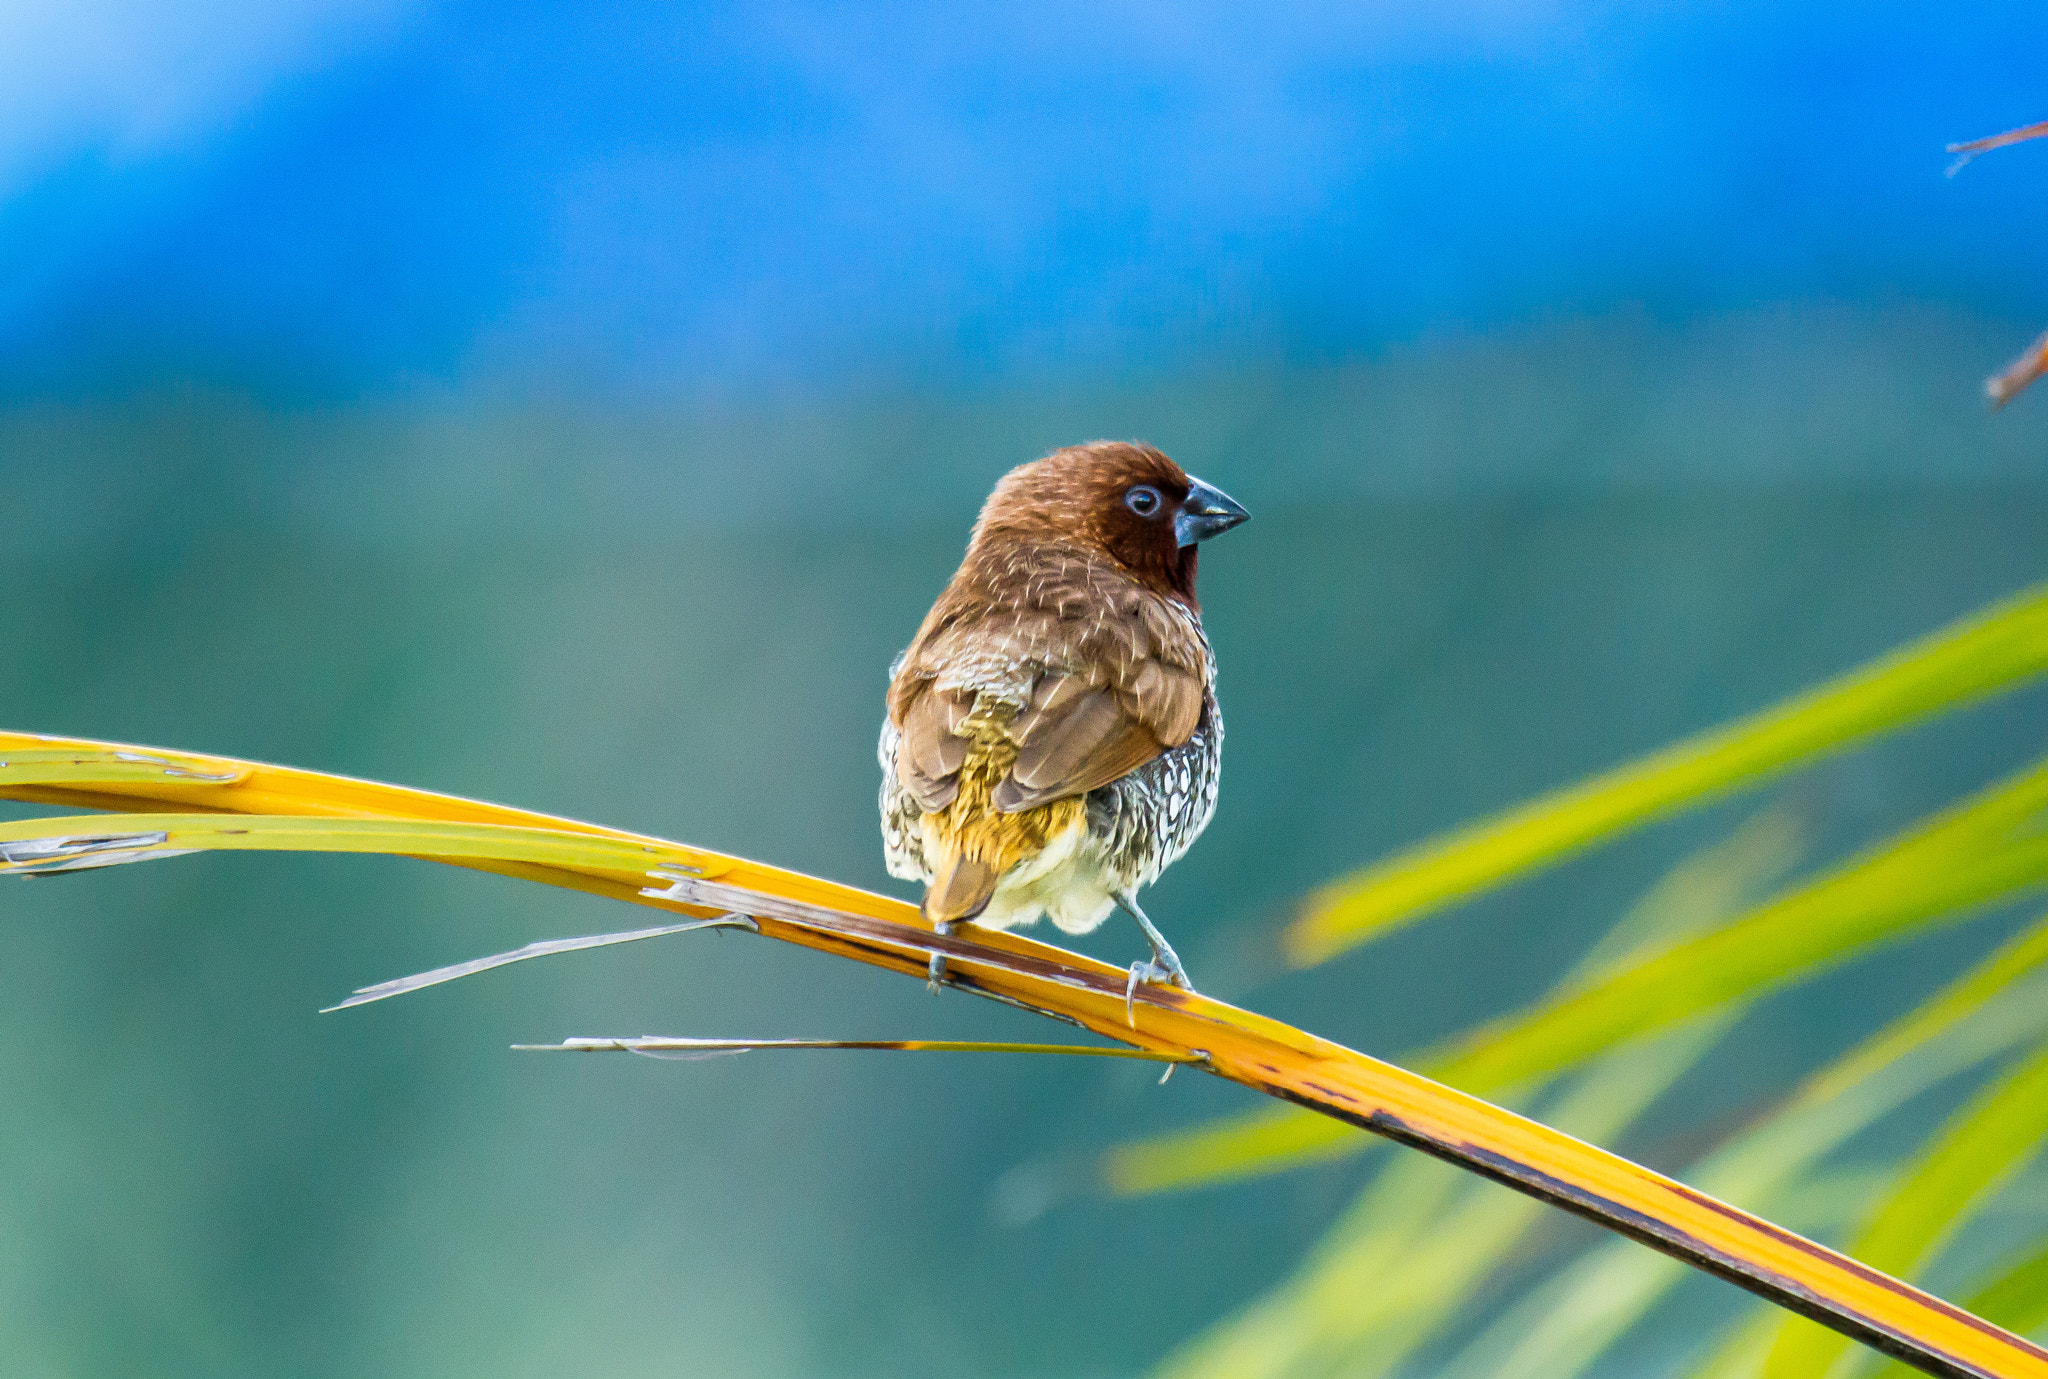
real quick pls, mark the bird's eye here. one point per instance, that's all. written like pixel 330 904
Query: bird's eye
pixel 1143 500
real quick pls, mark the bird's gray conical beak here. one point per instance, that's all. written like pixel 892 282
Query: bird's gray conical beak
pixel 1206 512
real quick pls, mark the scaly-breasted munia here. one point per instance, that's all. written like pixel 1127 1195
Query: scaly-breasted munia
pixel 1052 740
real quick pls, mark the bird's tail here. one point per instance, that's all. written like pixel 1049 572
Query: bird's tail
pixel 960 891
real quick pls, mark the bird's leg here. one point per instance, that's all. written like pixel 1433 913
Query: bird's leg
pixel 1164 966
pixel 935 970
pixel 1163 956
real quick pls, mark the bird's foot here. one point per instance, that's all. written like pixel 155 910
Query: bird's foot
pixel 1169 960
pixel 1157 973
pixel 1163 967
pixel 935 970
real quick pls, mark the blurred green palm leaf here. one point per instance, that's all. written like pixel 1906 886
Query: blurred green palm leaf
pixel 2015 1297
pixel 1643 1007
pixel 1986 849
pixel 1419 1242
pixel 1421 1239
pixel 2001 1004
pixel 1981 1147
pixel 1992 651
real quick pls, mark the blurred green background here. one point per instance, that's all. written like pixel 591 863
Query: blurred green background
pixel 580 408
pixel 203 1176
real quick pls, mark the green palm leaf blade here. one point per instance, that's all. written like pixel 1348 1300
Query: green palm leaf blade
pixel 1982 850
pixel 1975 1153
pixel 2009 962
pixel 1739 1356
pixel 1271 1139
pixel 1418 1241
pixel 2016 1298
pixel 1710 885
pixel 1560 1330
pixel 1991 651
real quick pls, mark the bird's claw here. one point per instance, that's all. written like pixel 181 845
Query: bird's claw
pixel 1150 971
pixel 1164 965
pixel 1174 971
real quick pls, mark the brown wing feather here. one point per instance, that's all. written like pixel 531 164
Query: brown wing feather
pixel 929 757
pixel 1115 675
pixel 1167 701
pixel 1073 739
pixel 1116 756
pixel 1055 741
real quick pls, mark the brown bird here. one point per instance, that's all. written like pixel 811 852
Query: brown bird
pixel 1052 740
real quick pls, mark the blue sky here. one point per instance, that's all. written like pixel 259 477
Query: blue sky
pixel 344 198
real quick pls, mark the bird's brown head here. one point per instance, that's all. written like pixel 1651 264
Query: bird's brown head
pixel 1121 499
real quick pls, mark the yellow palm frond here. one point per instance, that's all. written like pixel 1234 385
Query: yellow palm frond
pixel 178 803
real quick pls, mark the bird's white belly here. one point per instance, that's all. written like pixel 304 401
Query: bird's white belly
pixel 1065 881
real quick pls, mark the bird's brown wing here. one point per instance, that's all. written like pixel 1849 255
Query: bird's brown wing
pixel 1075 736
pixel 1110 675
pixel 928 757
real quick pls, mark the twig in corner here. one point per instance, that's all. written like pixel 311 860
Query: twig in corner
pixel 1969 150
